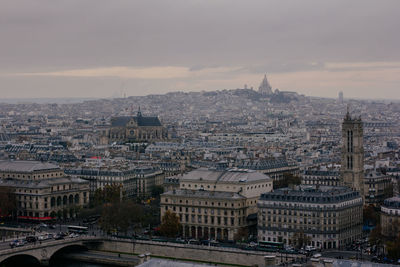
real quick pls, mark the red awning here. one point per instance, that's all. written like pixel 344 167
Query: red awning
pixel 36 218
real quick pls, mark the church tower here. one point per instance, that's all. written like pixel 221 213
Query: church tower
pixel 352 169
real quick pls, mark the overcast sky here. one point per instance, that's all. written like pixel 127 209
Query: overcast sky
pixel 99 48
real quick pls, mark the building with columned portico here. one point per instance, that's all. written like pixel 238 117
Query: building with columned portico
pixel 42 190
pixel 217 204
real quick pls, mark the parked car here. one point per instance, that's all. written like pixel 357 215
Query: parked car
pixel 252 244
pixel 17 243
pixel 194 242
pixel 214 243
pixel 62 234
pixel 310 248
pixel 13 243
pixel 31 239
pixel 180 241
pixel 45 237
pixel 73 235
pixel 58 237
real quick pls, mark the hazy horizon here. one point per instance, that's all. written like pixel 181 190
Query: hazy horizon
pixel 68 100
pixel 103 49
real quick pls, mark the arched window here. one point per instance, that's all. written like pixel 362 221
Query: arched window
pixel 77 199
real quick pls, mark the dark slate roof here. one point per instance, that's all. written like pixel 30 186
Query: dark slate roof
pixel 140 120
pixel 311 194
pixel 147 121
pixel 393 202
pixel 263 164
pixel 120 121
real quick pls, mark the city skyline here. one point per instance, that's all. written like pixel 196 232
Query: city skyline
pixel 108 49
pixel 199 133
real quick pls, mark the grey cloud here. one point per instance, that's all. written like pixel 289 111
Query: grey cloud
pixel 257 35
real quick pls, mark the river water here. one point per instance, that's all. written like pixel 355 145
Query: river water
pixel 61 262
pixel 57 262
pixel 74 263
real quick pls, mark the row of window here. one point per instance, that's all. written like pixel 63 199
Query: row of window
pixel 199 202
pixel 206 211
pixel 58 188
pixel 303 227
pixel 299 213
pixel 48 175
pixel 184 218
pixel 288 234
pixel 296 220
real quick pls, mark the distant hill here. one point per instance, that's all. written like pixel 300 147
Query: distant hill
pixel 68 100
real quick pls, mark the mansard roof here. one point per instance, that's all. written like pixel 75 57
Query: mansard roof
pixel 26 166
pixel 224 176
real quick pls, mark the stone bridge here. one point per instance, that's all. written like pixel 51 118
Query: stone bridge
pixel 213 255
pixel 44 251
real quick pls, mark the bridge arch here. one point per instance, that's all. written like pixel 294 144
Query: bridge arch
pixel 57 255
pixel 20 260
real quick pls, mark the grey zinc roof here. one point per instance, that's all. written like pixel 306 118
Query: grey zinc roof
pixel 311 194
pixel 204 194
pixel 25 166
pixel 37 184
pixel 393 202
pixel 224 176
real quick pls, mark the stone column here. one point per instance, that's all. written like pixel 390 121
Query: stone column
pixel 230 234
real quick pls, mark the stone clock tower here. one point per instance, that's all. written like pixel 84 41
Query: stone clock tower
pixel 352 169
